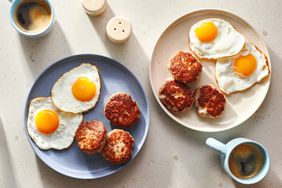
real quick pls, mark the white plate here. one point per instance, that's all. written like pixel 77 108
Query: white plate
pixel 240 106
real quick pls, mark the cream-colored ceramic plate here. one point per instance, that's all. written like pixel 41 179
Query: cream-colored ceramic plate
pixel 240 106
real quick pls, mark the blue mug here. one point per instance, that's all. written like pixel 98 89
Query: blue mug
pixel 41 33
pixel 225 151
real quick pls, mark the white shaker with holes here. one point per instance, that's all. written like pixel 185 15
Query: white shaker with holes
pixel 118 30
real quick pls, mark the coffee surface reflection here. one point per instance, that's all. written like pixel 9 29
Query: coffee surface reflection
pixel 246 160
pixel 33 15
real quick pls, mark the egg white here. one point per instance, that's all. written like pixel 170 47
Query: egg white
pixel 62 90
pixel 228 41
pixel 229 82
pixel 63 137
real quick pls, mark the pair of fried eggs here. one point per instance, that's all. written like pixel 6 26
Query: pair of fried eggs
pixel 53 121
pixel 239 63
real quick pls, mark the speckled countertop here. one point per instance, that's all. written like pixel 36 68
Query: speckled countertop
pixel 173 156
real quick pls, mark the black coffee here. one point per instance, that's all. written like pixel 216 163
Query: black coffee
pixel 33 15
pixel 246 161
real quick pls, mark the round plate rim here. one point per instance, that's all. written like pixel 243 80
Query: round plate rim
pixel 153 55
pixel 45 161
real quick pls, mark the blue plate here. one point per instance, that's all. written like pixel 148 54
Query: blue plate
pixel 114 78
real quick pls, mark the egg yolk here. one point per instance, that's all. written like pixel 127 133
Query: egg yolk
pixel 83 89
pixel 245 65
pixel 206 32
pixel 47 121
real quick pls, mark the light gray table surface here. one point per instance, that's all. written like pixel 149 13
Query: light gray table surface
pixel 172 156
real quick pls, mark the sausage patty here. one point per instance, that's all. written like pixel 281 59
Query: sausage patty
pixel 184 67
pixel 119 146
pixel 176 96
pixel 121 110
pixel 210 101
pixel 91 136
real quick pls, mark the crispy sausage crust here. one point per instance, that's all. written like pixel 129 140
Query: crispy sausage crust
pixel 91 136
pixel 184 67
pixel 210 101
pixel 121 110
pixel 176 96
pixel 119 146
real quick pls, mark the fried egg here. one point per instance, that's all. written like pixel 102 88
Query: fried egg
pixel 78 90
pixel 215 38
pixel 49 127
pixel 241 71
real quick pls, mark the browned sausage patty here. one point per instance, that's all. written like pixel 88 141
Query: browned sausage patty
pixel 184 67
pixel 176 96
pixel 121 110
pixel 91 136
pixel 210 101
pixel 119 146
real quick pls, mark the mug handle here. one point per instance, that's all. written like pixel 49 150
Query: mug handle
pixel 217 145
